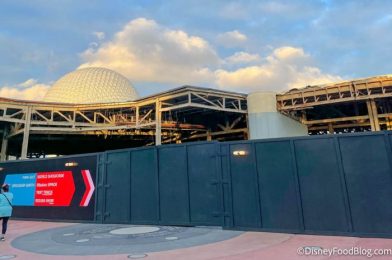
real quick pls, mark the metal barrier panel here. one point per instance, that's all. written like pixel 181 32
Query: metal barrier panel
pixel 204 185
pixel 100 189
pixel 367 168
pixel 144 186
pixel 244 186
pixel 56 189
pixel 173 185
pixel 170 185
pixel 117 187
pixel 327 184
pixel 279 194
pixel 226 191
pixel 320 185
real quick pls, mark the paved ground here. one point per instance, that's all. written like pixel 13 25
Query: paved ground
pixel 46 240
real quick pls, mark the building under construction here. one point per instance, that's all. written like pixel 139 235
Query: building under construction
pixel 349 106
pixel 96 109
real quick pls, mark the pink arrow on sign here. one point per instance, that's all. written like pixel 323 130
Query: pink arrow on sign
pixel 88 181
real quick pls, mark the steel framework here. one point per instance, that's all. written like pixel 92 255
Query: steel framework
pixel 141 117
pixel 358 104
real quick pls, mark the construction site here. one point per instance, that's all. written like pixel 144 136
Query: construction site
pixel 62 124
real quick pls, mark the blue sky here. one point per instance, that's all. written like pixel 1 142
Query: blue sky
pixel 233 45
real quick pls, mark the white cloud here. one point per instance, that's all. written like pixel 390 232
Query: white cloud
pixel 287 67
pixel 232 39
pixel 28 83
pixel 242 58
pixel 28 90
pixel 310 76
pixel 100 35
pixel 146 51
pixel 289 53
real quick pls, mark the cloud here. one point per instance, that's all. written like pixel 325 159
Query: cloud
pixel 146 51
pixel 100 35
pixel 28 90
pixel 28 83
pixel 242 58
pixel 309 76
pixel 286 67
pixel 289 53
pixel 232 39
pixel 93 45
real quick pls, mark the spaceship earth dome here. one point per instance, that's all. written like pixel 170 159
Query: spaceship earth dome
pixel 91 86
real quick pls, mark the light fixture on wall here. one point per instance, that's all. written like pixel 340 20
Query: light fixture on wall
pixel 240 153
pixel 71 164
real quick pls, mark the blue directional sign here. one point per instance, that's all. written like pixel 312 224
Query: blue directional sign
pixel 23 188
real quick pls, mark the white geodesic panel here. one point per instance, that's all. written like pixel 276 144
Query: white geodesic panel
pixel 91 85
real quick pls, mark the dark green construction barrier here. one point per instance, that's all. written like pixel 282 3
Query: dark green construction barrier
pixel 330 184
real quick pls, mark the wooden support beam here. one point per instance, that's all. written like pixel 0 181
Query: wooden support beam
pixel 244 130
pixel 337 126
pixel 330 129
pixel 375 114
pixel 371 115
pixel 209 137
pixel 333 120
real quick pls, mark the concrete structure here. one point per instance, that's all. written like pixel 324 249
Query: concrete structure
pixel 266 122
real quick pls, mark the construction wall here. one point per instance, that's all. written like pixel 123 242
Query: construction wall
pixel 57 189
pixel 330 184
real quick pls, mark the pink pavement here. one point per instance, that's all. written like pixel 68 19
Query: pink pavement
pixel 250 245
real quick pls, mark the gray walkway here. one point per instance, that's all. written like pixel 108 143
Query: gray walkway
pixel 98 239
pixel 32 240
